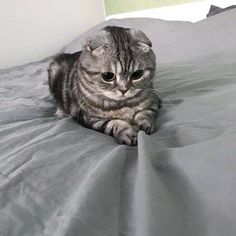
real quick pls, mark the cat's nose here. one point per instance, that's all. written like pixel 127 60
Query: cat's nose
pixel 123 91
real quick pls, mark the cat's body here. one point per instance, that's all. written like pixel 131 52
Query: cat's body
pixel 108 85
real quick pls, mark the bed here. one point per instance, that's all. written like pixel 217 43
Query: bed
pixel 58 178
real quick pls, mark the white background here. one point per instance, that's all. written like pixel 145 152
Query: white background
pixel 33 29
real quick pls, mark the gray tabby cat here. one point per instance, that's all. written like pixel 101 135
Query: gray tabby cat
pixel 108 85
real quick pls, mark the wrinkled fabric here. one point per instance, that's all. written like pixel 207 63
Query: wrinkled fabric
pixel 58 178
pixel 217 10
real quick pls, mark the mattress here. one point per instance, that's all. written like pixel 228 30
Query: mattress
pixel 58 178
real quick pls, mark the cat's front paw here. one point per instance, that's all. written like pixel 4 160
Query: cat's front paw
pixel 128 136
pixel 122 131
pixel 147 126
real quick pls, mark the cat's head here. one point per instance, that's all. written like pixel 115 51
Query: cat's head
pixel 118 62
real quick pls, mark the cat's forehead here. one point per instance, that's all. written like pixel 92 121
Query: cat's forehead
pixel 109 35
pixel 118 37
pixel 99 38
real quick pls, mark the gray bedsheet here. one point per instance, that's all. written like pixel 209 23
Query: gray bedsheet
pixel 58 178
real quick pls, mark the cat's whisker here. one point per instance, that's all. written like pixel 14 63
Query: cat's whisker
pixel 86 99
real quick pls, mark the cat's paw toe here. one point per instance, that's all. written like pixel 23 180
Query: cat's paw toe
pixel 60 113
pixel 128 137
pixel 147 126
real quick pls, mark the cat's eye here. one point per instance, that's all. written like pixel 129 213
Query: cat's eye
pixel 108 76
pixel 137 75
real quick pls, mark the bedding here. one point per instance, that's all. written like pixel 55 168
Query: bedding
pixel 216 10
pixel 59 178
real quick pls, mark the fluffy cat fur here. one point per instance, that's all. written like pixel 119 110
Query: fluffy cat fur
pixel 108 85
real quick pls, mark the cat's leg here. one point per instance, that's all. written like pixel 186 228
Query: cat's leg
pixel 121 130
pixel 145 120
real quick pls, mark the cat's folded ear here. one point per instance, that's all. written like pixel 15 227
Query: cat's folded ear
pixel 98 50
pixel 143 42
pixel 97 44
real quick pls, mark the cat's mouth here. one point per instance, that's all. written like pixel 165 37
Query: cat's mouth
pixel 118 95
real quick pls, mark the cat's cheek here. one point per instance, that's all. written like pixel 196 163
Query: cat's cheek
pixel 135 91
pixel 110 94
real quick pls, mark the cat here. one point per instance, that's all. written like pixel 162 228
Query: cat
pixel 108 85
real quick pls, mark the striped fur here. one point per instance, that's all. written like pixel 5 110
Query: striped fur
pixel 121 107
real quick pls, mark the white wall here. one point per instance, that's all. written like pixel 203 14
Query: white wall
pixel 33 29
